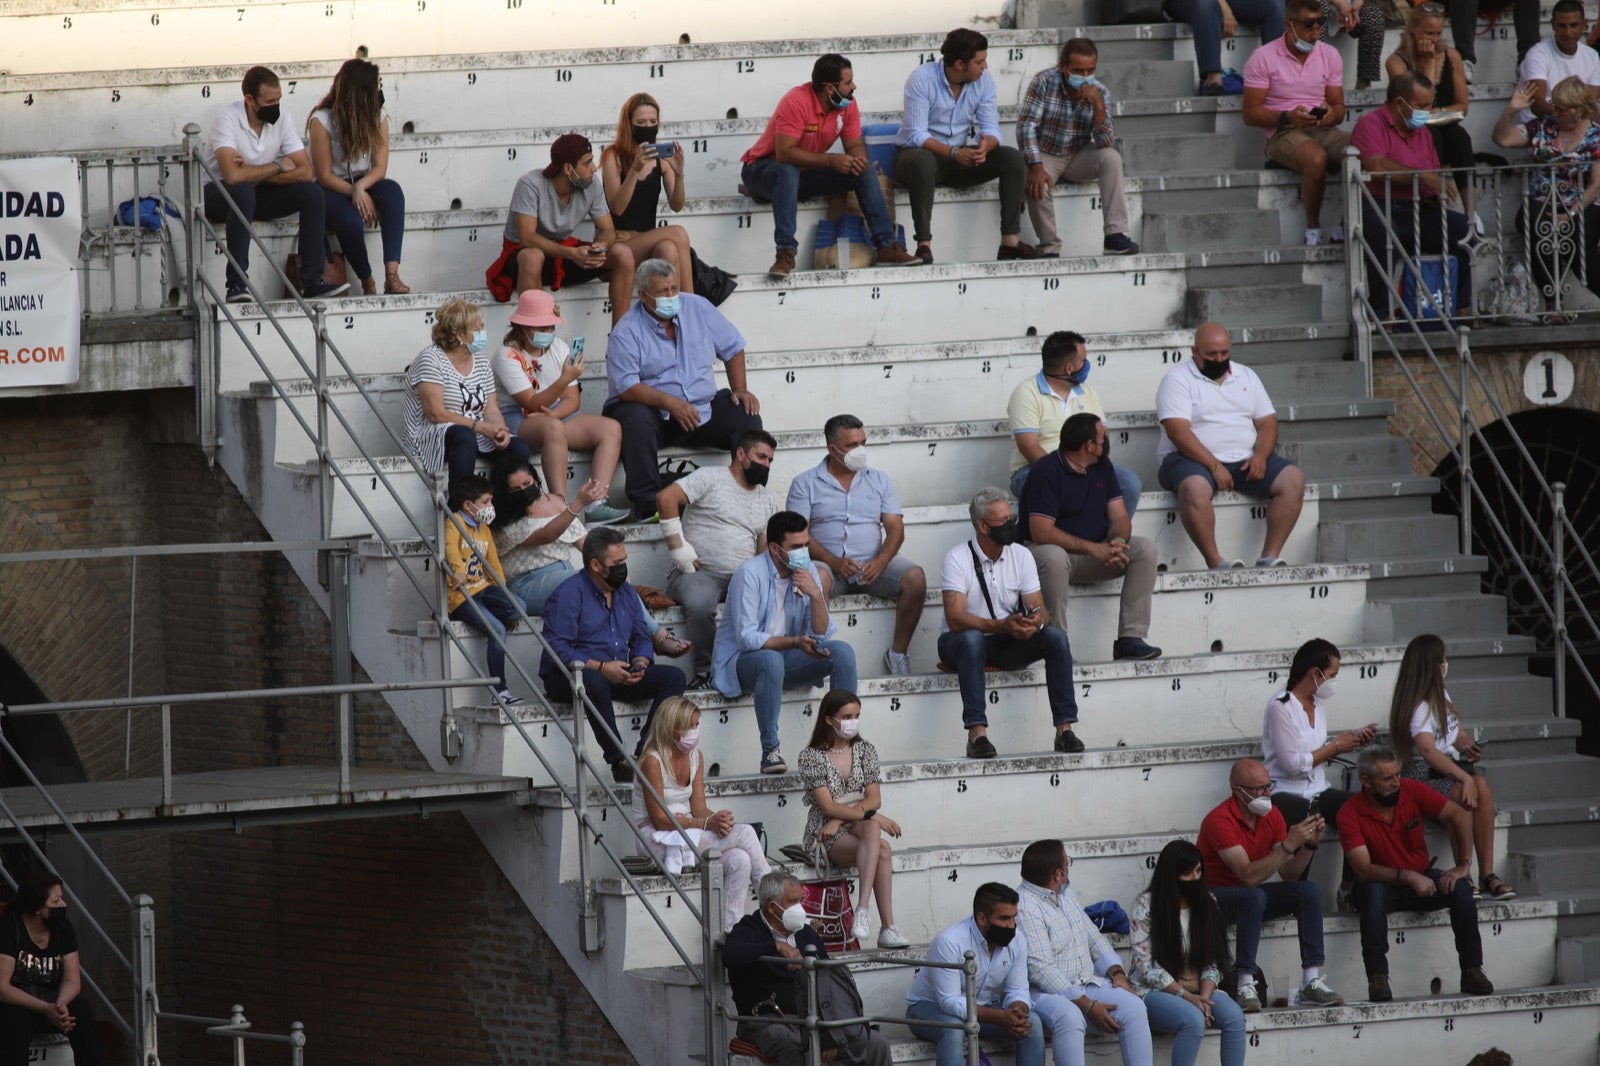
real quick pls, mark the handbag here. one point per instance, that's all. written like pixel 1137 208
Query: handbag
pixel 1440 278
pixel 334 272
pixel 714 283
pixel 832 915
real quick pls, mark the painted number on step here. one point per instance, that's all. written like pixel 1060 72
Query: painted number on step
pixel 1086 687
pixel 1399 936
pixel 722 716
pixel 1449 1025
pixel 1367 672
pixel 1538 1017
pixel 658 70
pixel 1052 284
pixel 1122 434
pixel 700 145
pixel 1177 684
pixel 1319 592
pixel 1139 278
pixel 1272 677
pixel 877 293
pixel 1258 513
pixel 807 711
pixel 1272 255
pixel 932 444
pixel 788 377
pixel 1210 598
pixel 985 368
pixel 894 703
pixel 1094 203
pixel 633 723
pixel 888 371
pixel 544 731
pixel 924 57
pixel 961 286
pixel 1171 357
pixel 1145 772
pixel 472 77
pixel 961 784
pixel 1014 54
pixel 349 321
pixel 952 877
pixel 783 801
pixel 850 620
pixel 741 222
pixel 745 66
pixel 1495 929
pixel 781 296
pixel 1055 780
pixel 994 696
pixel 1149 862
pixel 1355 1032
pixel 1255 1038
pixel 563 75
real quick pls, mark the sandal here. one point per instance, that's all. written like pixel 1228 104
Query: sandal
pixel 393 286
pixel 1496 889
pixel 369 287
pixel 669 645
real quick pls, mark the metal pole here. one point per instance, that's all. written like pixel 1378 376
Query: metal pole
pixel 144 976
pixel 127 716
pixel 205 338
pixel 324 475
pixel 297 1044
pixel 970 982
pixel 1464 436
pixel 238 1022
pixel 589 938
pixel 813 1035
pixel 166 755
pixel 339 619
pixel 1355 260
pixel 716 1038
pixel 1558 564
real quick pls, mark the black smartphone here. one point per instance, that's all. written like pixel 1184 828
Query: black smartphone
pixel 1318 113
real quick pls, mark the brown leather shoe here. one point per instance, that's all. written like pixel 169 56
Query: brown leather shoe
pixel 1474 982
pixel 783 264
pixel 895 254
pixel 1378 987
pixel 1020 250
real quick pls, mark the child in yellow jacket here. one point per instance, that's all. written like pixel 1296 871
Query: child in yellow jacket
pixel 473 597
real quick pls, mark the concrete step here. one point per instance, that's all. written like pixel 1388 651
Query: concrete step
pixel 1160 153
pixel 1271 303
pixel 1348 456
pixel 1555 872
pixel 1207 231
pixel 1146 78
pixel 1408 536
pixel 1545 778
pixel 1390 619
pixel 1578 959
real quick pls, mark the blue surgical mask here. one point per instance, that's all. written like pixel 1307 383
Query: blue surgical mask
pixel 1080 375
pixel 667 307
pixel 799 559
pixel 544 340
pixel 480 341
pixel 1306 47
pixel 1078 81
pixel 839 100
pixel 1418 118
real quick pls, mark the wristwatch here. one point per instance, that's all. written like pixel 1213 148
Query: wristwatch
pixel 869 815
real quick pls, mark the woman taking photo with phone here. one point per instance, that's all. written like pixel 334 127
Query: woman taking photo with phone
pixel 635 169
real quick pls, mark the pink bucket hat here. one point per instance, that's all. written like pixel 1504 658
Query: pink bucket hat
pixel 536 308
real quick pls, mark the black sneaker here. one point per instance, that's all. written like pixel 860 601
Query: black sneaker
pixel 701 683
pixel 312 290
pixel 1068 742
pixel 1211 88
pixel 1120 244
pixel 621 773
pixel 980 748
pixel 1378 988
pixel 237 293
pixel 1133 648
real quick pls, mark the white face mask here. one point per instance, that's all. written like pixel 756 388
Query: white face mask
pixel 855 460
pixel 485 515
pixel 847 727
pixel 1325 691
pixel 1260 806
pixel 794 918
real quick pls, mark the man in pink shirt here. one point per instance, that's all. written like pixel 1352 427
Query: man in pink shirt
pixel 1294 89
pixel 1397 149
pixel 791 161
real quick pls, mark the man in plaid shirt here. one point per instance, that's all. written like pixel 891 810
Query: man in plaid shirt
pixel 1065 133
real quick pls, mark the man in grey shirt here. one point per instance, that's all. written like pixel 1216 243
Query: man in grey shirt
pixel 547 207
pixel 726 516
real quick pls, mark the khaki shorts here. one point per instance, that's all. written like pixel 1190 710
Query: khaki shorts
pixel 1282 147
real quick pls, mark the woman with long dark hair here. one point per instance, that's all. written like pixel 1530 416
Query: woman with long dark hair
pixel 1426 733
pixel 40 979
pixel 349 138
pixel 1180 952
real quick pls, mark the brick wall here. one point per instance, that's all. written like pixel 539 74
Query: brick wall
pixel 393 940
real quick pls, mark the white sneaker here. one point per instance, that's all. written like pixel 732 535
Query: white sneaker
pixel 889 937
pixel 1313 236
pixel 1467 69
pixel 898 662
pixel 861 929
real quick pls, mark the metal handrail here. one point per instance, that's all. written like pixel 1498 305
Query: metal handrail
pixel 1364 260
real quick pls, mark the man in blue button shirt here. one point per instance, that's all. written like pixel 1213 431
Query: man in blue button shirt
pixel 595 617
pixel 776 632
pixel 661 367
pixel 950 135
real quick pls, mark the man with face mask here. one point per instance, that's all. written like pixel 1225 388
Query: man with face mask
pixel 994 615
pixel 547 208
pixel 776 632
pixel 255 149
pixel 1005 1006
pixel 1039 405
pixel 791 162
pixel 857 531
pixel 1380 830
pixel 660 365
pixel 778 928
pixel 725 512
pixel 1244 842
pixel 596 618
pixel 1218 432
pixel 1294 89
pixel 1077 977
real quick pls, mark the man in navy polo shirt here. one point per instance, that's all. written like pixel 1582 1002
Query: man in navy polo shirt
pixel 1077 526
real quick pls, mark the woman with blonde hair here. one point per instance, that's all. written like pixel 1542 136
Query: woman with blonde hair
pixel 671 762
pixel 349 137
pixel 1422 51
pixel 634 169
pixel 1425 731
pixel 451 417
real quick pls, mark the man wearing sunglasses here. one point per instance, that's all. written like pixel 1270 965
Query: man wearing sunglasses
pixel 1294 89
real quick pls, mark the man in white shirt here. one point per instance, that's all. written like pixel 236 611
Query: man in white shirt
pixel 261 160
pixel 724 510
pixel 1559 56
pixel 1218 431
pixel 994 615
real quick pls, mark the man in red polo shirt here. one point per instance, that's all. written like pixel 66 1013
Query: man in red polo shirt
pixel 1380 829
pixel 791 161
pixel 1244 841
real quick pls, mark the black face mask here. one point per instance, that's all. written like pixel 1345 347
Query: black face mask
pixel 999 935
pixel 757 473
pixel 1215 370
pixel 1387 801
pixel 1004 533
pixel 1193 891
pixel 270 113
pixel 527 496
pixel 645 134
pixel 615 576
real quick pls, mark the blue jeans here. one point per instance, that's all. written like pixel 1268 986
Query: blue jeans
pixel 266 202
pixel 1373 901
pixel 767 673
pixel 1065 1025
pixel 951 1043
pixel 1129 482
pixel 461 451
pixel 492 614
pixel 1205 19
pixel 786 185
pixel 534 587
pixel 969 652
pixel 1172 1014
pixel 1248 908
pixel 345 221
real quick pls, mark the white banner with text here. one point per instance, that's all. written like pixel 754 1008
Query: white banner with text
pixel 41 217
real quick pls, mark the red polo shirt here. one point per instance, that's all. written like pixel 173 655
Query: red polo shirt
pixel 1225 828
pixel 1376 135
pixel 801 115
pixel 1398 843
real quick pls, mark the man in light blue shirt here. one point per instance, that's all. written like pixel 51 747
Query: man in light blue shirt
pixel 776 632
pixel 950 135
pixel 857 530
pixel 661 368
pixel 1004 1003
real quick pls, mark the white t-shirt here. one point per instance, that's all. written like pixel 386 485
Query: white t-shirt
pixel 516 371
pixel 1222 413
pixel 1009 578
pixel 1287 740
pixel 724 520
pixel 1547 63
pixel 348 169
pixel 231 129
pixel 1422 722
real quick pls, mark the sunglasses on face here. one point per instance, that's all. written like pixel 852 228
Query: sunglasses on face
pixel 1309 24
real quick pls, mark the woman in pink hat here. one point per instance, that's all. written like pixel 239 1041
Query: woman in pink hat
pixel 538 374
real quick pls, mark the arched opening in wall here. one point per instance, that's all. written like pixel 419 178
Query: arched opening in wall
pixel 40 739
pixel 1561 443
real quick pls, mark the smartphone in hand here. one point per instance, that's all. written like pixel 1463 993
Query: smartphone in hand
pixel 1319 113
pixel 576 352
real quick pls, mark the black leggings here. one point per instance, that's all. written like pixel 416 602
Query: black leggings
pixel 18 1026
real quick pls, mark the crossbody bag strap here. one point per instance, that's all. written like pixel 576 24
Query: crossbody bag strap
pixel 983 585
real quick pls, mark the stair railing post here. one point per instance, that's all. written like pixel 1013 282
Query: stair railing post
pixel 166 755
pixel 589 936
pixel 1464 437
pixel 339 619
pixel 1558 567
pixel 144 976
pixel 297 1044
pixel 1355 261
pixel 969 981
pixel 813 1035
pixel 324 453
pixel 205 336
pixel 237 1020
pixel 710 910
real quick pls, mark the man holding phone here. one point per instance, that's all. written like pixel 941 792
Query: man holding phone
pixel 994 615
pixel 1294 89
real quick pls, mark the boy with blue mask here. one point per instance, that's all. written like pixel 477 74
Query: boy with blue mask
pixel 470 561
pixel 776 632
pixel 1066 133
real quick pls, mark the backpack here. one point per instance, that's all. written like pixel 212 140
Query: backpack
pixel 837 999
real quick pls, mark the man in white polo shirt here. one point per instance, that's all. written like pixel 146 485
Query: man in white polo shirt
pixel 1218 431
pixel 1560 56
pixel 254 148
